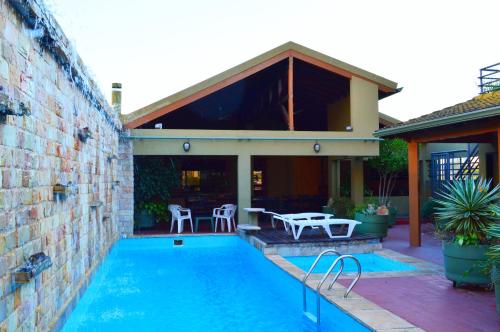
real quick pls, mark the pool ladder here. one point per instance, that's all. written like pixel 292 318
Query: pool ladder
pixel 340 259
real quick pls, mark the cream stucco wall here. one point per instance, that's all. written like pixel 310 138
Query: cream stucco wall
pixel 252 142
pixel 339 114
pixel 364 107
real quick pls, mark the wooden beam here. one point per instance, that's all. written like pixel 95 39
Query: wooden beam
pixel 290 94
pixel 414 196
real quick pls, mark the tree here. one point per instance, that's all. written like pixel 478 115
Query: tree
pixel 392 159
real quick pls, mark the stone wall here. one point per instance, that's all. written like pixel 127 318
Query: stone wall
pixel 126 193
pixel 50 97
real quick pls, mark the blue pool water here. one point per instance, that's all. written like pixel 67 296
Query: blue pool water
pixel 212 283
pixel 369 263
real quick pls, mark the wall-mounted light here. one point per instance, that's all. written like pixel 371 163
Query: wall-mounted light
pixel 348 128
pixel 159 125
pixel 316 147
pixel 186 146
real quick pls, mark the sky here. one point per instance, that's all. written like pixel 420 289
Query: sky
pixel 433 49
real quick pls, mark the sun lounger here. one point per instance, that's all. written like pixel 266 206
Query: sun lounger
pixel 298 221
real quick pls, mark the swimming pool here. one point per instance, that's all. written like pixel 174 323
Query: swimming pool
pixel 211 283
pixel 369 263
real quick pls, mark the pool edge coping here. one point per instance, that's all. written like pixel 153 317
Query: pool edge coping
pixel 366 312
pixel 422 267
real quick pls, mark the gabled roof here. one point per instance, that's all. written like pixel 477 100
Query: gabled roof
pixel 246 69
pixel 483 106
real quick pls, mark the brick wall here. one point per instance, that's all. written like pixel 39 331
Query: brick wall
pixel 42 149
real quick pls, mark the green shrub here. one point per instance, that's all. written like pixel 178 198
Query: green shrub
pixel 341 206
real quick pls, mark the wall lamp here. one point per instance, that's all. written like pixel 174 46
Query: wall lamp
pixel 316 147
pixel 186 146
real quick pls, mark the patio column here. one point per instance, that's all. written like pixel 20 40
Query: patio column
pixel 244 187
pixel 414 199
pixel 357 180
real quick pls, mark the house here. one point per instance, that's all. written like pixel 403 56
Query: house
pixel 270 132
pixel 474 122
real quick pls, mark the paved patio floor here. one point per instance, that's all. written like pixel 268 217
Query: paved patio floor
pixel 430 302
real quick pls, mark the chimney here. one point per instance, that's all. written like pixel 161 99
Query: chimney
pixel 116 97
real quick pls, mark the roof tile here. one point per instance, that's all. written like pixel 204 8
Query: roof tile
pixel 477 103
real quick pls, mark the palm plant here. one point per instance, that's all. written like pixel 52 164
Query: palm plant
pixel 468 207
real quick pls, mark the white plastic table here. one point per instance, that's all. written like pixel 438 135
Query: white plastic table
pixel 253 215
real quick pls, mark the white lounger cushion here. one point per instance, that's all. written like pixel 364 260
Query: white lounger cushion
pixel 314 220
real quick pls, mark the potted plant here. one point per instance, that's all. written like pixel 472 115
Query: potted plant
pixel 493 255
pixel 150 214
pixel 371 222
pixel 465 210
pixel 392 159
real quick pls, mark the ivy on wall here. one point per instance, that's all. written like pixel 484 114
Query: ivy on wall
pixel 154 178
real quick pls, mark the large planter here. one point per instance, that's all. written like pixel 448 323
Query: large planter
pixel 371 224
pixel 391 218
pixel 465 264
pixel 495 278
pixel 144 219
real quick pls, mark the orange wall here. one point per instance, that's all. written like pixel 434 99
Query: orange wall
pixel 293 176
pixel 307 175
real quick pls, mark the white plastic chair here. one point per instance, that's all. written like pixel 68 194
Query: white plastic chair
pixel 179 214
pixel 226 214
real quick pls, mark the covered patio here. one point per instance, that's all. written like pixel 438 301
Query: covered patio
pixel 293 122
pixel 474 121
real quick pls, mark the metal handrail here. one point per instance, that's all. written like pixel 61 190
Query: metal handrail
pixel 358 274
pixel 353 283
pixel 304 286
